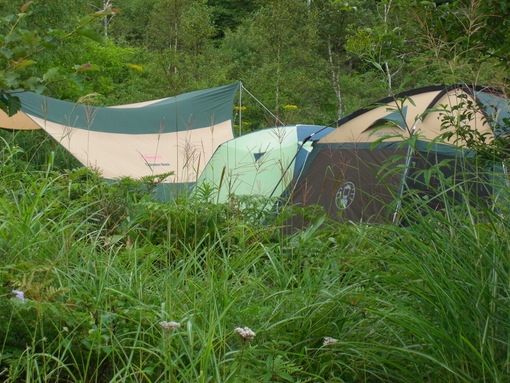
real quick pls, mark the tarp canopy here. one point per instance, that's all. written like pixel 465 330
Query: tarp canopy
pixel 175 134
pixel 262 163
pixel 359 170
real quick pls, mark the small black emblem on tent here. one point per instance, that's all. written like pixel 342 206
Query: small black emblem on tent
pixel 345 195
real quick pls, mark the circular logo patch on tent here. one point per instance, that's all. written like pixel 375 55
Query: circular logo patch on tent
pixel 345 195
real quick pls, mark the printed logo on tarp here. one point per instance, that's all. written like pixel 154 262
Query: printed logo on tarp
pixel 345 195
pixel 155 161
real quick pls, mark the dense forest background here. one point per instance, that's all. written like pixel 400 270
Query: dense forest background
pixel 306 61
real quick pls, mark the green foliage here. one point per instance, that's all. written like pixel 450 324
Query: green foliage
pixel 180 26
pixel 228 15
pixel 119 77
pixel 459 127
pixel 19 48
pixel 102 265
pixel 130 26
pixel 456 41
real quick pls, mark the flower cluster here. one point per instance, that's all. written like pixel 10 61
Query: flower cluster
pixel 19 294
pixel 328 341
pixel 245 333
pixel 169 326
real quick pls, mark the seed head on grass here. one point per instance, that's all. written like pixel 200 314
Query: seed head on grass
pixel 169 326
pixel 245 333
pixel 329 342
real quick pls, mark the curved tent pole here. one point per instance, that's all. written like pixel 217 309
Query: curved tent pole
pixel 292 161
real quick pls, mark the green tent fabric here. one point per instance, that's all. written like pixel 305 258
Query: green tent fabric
pixel 262 163
pixel 358 171
pixel 175 134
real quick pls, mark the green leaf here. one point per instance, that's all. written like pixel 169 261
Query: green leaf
pixel 11 104
pixel 52 75
pixel 11 79
pixel 86 20
pixel 285 376
pixel 49 44
pixel 6 52
pixel 90 34
pixel 56 34
pixel 11 38
pixel 7 19
pixel 77 80
pixel 23 64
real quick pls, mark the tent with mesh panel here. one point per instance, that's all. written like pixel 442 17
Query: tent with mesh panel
pixel 175 135
pixel 262 163
pixel 378 155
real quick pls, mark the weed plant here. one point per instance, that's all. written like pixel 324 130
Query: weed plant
pixel 113 286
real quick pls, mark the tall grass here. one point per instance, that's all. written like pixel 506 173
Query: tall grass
pixel 102 265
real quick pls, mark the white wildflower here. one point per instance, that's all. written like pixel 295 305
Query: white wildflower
pixel 169 326
pixel 19 294
pixel 328 341
pixel 245 333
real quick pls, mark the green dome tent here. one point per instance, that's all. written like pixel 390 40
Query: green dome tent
pixel 262 163
pixel 175 134
pixel 358 171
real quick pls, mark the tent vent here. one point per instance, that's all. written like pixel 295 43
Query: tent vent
pixel 258 155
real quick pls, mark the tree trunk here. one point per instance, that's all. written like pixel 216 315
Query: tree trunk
pixel 335 79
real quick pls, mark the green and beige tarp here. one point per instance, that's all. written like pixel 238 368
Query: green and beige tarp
pixel 261 163
pixel 358 171
pixel 175 134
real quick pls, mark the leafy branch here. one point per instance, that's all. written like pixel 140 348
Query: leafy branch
pixel 19 47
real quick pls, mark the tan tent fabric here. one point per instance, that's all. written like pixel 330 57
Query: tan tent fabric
pixel 185 153
pixel 177 134
pixel 20 121
pixel 427 124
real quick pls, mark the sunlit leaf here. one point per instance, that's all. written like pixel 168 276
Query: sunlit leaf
pixel 136 67
pixel 20 64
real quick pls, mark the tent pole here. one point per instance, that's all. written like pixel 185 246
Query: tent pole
pixel 505 172
pixel 306 139
pixel 404 177
pixel 402 184
pixel 267 110
pixel 240 108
